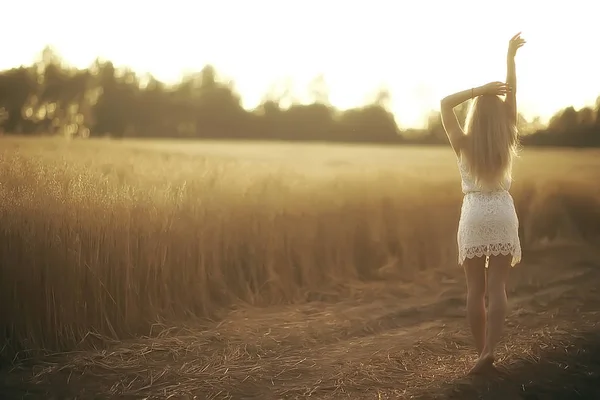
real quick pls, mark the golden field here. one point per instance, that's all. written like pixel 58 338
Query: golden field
pixel 104 239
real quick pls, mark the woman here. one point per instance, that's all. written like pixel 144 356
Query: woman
pixel 488 227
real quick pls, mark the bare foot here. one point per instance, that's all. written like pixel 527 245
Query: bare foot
pixel 484 364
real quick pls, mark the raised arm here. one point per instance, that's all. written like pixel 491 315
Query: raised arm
pixel 516 42
pixel 450 122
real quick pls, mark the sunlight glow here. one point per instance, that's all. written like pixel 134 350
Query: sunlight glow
pixel 420 50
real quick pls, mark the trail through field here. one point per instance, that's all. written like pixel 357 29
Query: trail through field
pixel 388 340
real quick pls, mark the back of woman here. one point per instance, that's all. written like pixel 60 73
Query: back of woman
pixel 487 232
pixel 488 224
pixel 490 142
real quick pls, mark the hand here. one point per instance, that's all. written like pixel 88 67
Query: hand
pixel 493 88
pixel 515 43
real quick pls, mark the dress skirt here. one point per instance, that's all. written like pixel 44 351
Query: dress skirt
pixel 488 226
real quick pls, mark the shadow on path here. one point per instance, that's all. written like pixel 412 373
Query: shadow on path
pixel 556 369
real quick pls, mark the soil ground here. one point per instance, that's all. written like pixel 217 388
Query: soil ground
pixel 393 339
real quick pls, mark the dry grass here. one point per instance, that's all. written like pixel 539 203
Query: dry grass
pixel 374 346
pixel 107 240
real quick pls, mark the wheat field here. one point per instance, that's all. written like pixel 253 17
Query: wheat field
pixel 104 239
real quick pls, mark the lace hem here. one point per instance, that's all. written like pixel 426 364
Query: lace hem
pixel 488 250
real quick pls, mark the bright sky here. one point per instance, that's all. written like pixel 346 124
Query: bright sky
pixel 420 50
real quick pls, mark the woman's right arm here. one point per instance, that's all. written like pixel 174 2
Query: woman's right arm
pixel 516 42
pixel 450 122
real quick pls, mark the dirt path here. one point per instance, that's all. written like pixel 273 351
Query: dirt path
pixel 386 340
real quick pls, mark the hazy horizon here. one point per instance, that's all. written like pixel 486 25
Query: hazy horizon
pixel 417 50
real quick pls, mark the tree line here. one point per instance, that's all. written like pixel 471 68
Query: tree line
pixel 50 97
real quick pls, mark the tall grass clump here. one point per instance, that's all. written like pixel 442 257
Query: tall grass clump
pixel 95 238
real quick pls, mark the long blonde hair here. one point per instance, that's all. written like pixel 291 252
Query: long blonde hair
pixel 491 141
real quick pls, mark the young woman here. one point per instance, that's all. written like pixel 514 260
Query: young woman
pixel 488 227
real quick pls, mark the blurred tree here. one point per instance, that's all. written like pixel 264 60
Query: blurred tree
pixel 586 117
pixel 319 91
pixel 564 120
pixel 52 97
pixel 597 124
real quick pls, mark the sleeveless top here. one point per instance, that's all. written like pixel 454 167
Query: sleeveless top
pixel 469 185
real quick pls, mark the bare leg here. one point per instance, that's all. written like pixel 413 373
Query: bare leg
pixel 475 274
pixel 498 270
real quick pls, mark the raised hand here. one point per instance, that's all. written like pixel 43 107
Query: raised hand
pixel 515 43
pixel 494 88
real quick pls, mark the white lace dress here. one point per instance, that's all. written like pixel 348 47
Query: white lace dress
pixel 488 221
